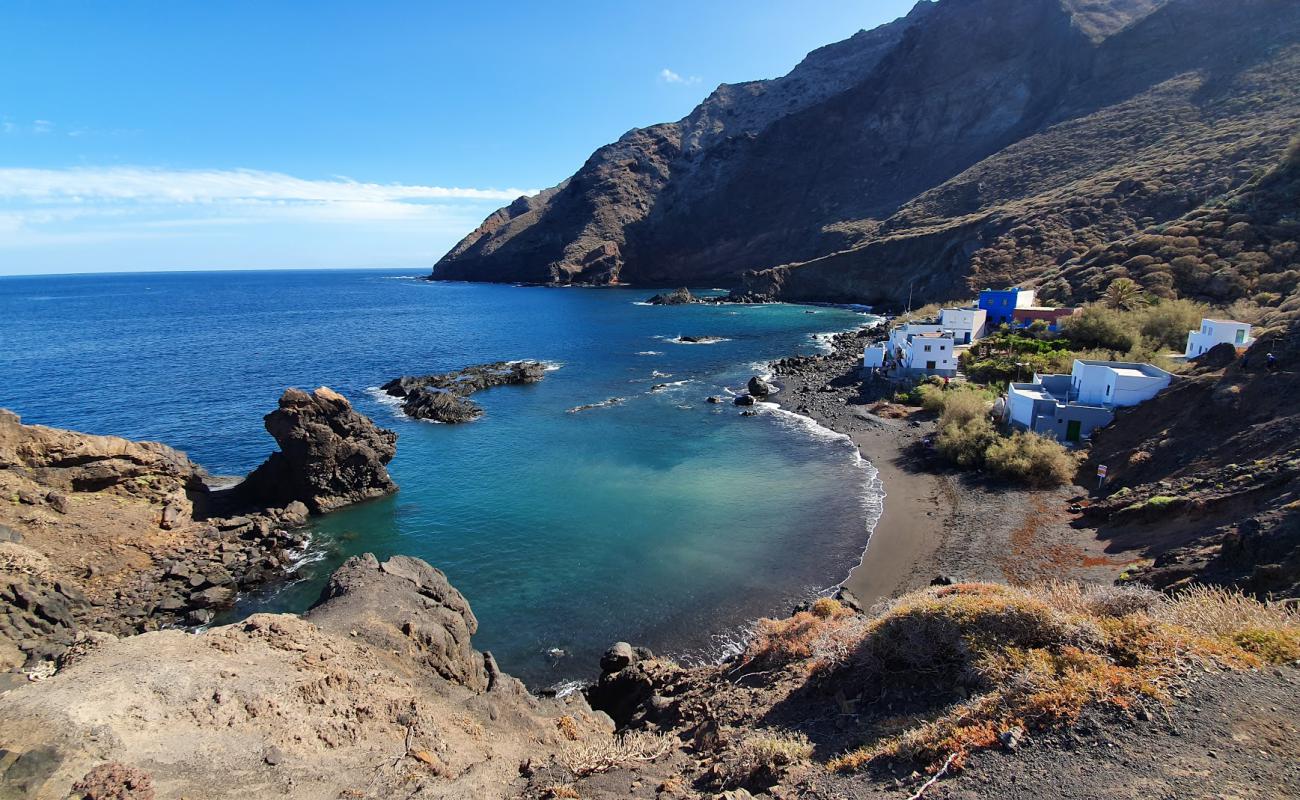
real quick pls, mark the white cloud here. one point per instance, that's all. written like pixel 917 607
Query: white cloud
pixel 52 211
pixel 42 126
pixel 141 184
pixel 668 76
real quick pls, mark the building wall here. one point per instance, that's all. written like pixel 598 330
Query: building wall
pixel 1100 384
pixel 1129 390
pixel 873 356
pixel 967 324
pixel 1212 333
pixel 1001 304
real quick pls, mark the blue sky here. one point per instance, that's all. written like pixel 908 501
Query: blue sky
pixel 211 135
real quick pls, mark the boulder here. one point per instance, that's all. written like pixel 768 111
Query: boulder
pixel 759 387
pixel 330 455
pixel 619 656
pixel 404 606
pixel 745 400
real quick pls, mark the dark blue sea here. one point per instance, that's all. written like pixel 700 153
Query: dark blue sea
pixel 661 520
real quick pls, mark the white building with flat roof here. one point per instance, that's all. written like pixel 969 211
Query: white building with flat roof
pixel 1215 332
pixel 965 324
pixel 1070 407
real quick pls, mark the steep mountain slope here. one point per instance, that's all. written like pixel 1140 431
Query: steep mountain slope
pixel 972 141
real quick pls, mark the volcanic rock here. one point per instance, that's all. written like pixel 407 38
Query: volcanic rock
pixel 330 455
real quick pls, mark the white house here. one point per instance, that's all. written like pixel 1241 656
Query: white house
pixel 1217 331
pixel 902 334
pixel 1116 383
pixel 965 324
pixel 930 353
pixel 1071 407
pixel 922 348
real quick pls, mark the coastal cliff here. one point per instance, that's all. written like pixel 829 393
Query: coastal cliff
pixel 101 534
pixel 972 142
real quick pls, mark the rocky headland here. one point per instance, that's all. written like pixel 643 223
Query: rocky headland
pixel 444 397
pixel 103 535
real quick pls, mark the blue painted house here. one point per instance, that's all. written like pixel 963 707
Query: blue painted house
pixel 1001 304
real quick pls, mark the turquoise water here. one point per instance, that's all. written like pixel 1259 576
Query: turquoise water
pixel 661 520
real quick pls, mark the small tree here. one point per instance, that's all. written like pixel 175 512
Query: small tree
pixel 1124 294
pixel 1099 326
pixel 1167 323
pixel 1032 459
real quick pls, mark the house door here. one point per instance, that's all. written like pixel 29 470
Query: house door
pixel 1072 430
pixel 929 365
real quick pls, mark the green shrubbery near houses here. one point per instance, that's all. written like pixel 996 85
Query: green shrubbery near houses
pixel 1031 459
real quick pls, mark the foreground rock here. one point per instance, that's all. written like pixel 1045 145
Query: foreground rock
pixel 110 536
pixel 677 297
pixel 443 397
pixel 330 455
pixel 376 692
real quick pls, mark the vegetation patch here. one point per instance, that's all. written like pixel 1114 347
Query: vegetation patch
pixel 1034 658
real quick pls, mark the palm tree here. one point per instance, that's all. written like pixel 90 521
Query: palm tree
pixel 1124 294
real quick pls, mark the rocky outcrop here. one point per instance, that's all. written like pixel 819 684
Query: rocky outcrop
pixel 973 142
pixel 374 693
pixel 443 397
pixel 65 462
pixel 407 607
pixel 677 297
pixel 111 535
pixel 330 455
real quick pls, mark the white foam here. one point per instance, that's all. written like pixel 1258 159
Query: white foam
pixel 657 374
pixel 649 353
pixel 641 303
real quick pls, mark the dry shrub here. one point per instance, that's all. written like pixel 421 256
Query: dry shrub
pixel 568 727
pixel 1031 459
pixel 561 791
pixel 781 641
pixel 1267 630
pixel 1036 657
pixel 604 754
pixel 762 756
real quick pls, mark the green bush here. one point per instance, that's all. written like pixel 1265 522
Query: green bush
pixel 1167 323
pixel 1100 327
pixel 965 444
pixel 965 431
pixel 1031 459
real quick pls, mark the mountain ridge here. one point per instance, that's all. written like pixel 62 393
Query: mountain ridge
pixel 967 108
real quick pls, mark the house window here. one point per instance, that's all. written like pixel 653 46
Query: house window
pixel 927 348
pixel 1108 391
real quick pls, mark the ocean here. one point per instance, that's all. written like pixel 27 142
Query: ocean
pixel 661 520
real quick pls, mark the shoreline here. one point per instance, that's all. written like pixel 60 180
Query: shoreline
pixel 904 538
pixel 963 526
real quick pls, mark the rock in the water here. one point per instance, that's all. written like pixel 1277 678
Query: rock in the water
pixel 759 387
pixel 677 297
pixel 744 400
pixel 439 405
pixel 330 455
pixel 713 399
pixel 442 397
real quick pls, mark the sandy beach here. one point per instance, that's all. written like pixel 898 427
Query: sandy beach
pixel 935 521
